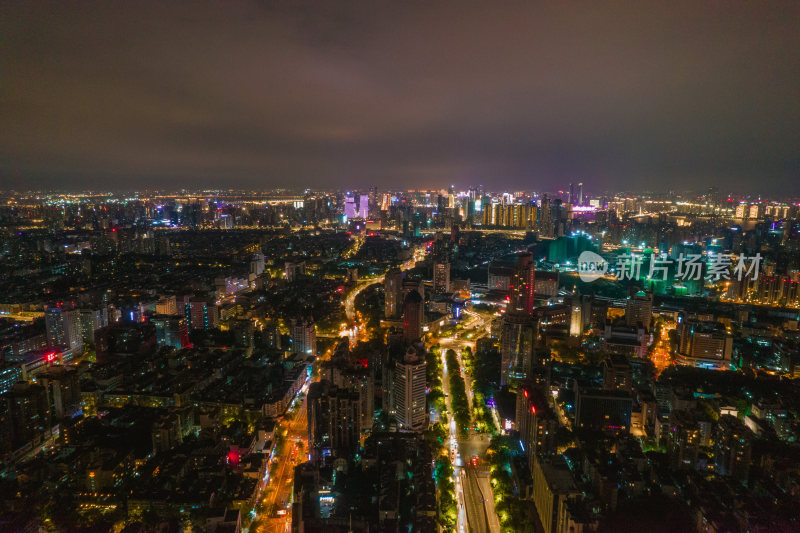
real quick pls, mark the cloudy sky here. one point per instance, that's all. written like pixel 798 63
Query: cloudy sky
pixel 530 95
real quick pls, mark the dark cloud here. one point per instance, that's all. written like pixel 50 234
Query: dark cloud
pixel 256 94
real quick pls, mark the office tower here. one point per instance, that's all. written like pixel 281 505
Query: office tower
pixel 522 284
pixel 393 292
pixel 363 206
pixel 580 193
pixel 64 328
pixel 412 316
pixel 517 341
pixel 350 210
pixel 171 330
pixel 91 321
pixel 639 309
pixel 304 336
pixel 441 276
pixel 334 426
pixel 410 382
pixel 571 194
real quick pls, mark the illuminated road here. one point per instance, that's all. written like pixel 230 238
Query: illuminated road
pixel 661 356
pixel 455 455
pixel 350 301
pixel 474 493
pixel 277 497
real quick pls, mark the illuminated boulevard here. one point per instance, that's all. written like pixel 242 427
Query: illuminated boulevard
pixel 273 512
pixel 474 494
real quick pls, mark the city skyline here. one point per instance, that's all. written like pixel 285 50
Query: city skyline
pixel 264 96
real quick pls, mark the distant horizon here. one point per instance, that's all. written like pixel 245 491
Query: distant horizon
pixel 169 191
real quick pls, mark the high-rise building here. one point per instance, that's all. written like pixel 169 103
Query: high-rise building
pixel 201 314
pixel 257 264
pixel 441 276
pixel 547 283
pixel 553 489
pixel 64 328
pixel 535 421
pixel 393 291
pixel 704 341
pixel 522 284
pixel 350 210
pixel 63 392
pixel 363 206
pixel 617 373
pixel 304 336
pixel 517 341
pixel 576 321
pixel 639 309
pixel 412 316
pixel 171 330
pixel 580 193
pixel 167 305
pixel 410 383
pixel 732 448
pixel 91 321
pixel 27 414
pixel 334 421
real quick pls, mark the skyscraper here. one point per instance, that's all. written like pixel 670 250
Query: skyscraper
pixel 63 328
pixel 517 340
pixel 91 320
pixel 412 316
pixel 393 291
pixel 333 421
pixel 171 330
pixel 363 206
pixel 304 336
pixel 409 392
pixel 350 210
pixel 639 309
pixel 522 284
pixel 441 276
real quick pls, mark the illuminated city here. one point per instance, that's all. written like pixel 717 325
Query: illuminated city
pixel 322 307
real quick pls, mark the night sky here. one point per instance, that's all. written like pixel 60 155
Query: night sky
pixel 635 95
